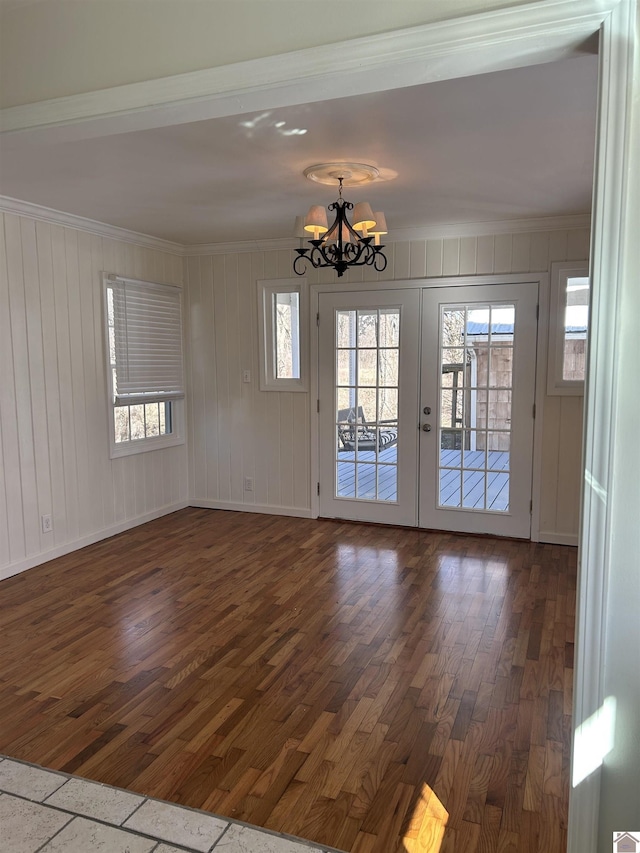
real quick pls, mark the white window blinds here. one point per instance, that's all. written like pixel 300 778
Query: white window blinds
pixel 148 342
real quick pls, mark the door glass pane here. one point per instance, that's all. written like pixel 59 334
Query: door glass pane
pixel 500 366
pixel 451 402
pixel 475 456
pixel 451 487
pixel 473 489
pixel 497 491
pixel 344 366
pixel 367 383
pixel 366 483
pixel 502 319
pixel 499 443
pixel 389 327
pixel 345 328
pixel 450 456
pixel 499 409
pixel 388 404
pixel 367 367
pixel 452 355
pixel 478 358
pixel 453 327
pixel 388 367
pixel 346 480
pixel 498 446
pixel 474 420
pixel 346 399
pixel 367 328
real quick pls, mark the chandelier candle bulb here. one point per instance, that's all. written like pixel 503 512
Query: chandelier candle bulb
pixel 363 218
pixel 298 229
pixel 316 221
pixel 380 227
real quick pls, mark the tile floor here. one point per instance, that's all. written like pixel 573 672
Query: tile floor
pixel 44 811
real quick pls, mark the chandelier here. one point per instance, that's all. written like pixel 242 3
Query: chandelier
pixel 342 245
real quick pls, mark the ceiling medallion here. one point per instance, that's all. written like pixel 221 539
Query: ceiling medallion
pixel 353 174
pixel 341 246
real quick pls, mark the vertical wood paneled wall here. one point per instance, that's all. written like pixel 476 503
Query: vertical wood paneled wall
pixel 237 431
pixel 54 450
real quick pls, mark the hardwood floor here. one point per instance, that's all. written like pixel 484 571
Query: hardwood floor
pixel 372 689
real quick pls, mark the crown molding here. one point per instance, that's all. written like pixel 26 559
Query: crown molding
pixel 507 38
pixel 488 227
pixel 267 245
pixel 402 235
pixel 429 232
pixel 82 223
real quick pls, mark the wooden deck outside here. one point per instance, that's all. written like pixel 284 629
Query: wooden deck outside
pixel 372 689
pixel 453 482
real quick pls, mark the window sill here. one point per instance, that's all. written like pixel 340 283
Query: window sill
pixel 144 445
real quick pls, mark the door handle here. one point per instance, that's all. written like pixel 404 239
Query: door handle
pixel 426 427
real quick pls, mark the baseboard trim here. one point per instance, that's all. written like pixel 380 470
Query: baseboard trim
pixel 264 509
pixel 549 537
pixel 68 547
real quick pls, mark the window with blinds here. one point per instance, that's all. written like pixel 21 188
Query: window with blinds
pixel 144 328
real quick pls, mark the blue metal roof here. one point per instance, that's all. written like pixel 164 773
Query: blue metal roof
pixel 506 328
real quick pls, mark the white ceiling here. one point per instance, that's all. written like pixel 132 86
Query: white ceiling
pixel 506 145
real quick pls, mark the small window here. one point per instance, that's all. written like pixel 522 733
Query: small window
pixel 144 353
pixel 568 328
pixel 282 306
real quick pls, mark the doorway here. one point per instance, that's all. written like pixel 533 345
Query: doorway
pixel 426 406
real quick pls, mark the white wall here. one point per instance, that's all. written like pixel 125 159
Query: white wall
pixel 54 451
pixel 236 431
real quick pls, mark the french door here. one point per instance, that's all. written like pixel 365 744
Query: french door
pixel 426 407
pixel 478 381
pixel 368 382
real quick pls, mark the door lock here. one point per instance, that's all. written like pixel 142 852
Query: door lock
pixel 426 427
pixel 427 410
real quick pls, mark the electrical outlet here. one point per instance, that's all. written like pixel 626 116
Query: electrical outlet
pixel 246 376
pixel 47 524
pixel 248 484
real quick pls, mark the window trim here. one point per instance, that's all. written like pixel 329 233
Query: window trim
pixel 138 445
pixel 266 289
pixel 556 384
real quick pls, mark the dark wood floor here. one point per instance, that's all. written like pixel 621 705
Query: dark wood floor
pixel 373 689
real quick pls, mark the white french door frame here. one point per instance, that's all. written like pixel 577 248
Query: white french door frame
pixel 541 279
pixel 404 510
pixel 515 520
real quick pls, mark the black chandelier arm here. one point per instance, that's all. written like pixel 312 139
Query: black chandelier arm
pixel 334 251
pixel 379 259
pixel 298 263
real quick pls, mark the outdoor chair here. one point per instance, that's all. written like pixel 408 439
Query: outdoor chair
pixel 353 428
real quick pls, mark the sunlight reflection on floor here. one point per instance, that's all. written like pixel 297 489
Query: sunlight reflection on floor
pixel 427 825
